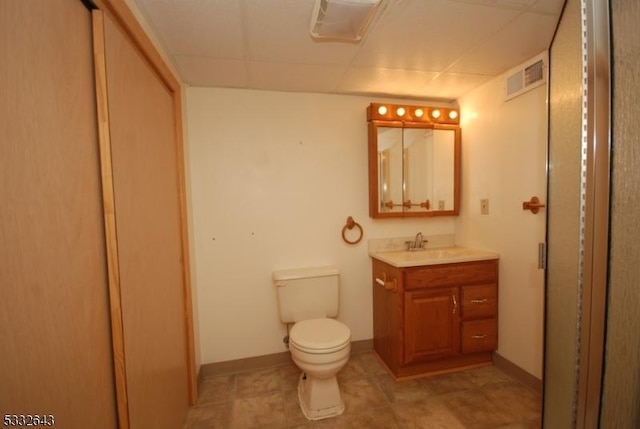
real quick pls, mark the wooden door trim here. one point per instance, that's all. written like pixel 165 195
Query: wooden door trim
pixel 119 11
pixel 108 201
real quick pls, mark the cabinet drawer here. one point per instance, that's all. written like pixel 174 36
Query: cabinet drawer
pixel 479 336
pixel 479 301
pixel 451 274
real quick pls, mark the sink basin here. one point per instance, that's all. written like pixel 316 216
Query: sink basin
pixel 443 255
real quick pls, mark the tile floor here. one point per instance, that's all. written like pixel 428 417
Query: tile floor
pixel 482 398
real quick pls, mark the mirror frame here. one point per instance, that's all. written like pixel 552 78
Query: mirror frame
pixel 389 118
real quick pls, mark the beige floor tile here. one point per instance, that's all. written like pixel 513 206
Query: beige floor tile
pixel 519 401
pixel 426 414
pixel 258 382
pixel 209 416
pixel 217 389
pixel 361 394
pixel 476 410
pixel 379 418
pixel 402 391
pixel 485 375
pixel 446 383
pixel 259 412
pixel 295 417
pixel 371 364
pixel 482 398
pixel 356 367
pixel 289 376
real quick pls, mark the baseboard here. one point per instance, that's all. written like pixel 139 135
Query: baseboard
pixel 284 358
pixel 265 361
pixel 517 373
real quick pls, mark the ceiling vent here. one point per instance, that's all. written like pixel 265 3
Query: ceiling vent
pixel 527 76
pixel 342 19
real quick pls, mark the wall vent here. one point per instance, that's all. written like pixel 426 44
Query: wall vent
pixel 526 76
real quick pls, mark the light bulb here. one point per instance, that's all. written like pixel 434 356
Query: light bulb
pixel 419 113
pixel 382 110
pixel 435 113
pixel 400 111
pixel 453 114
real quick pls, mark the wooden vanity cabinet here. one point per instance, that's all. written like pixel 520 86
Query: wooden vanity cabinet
pixel 435 318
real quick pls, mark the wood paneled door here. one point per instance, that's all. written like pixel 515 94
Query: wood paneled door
pixel 55 345
pixel 95 320
pixel 145 191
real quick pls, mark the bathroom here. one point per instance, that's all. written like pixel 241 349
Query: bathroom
pixel 276 195
pixel 272 178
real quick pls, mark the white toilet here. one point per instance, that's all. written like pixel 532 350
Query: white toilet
pixel 319 345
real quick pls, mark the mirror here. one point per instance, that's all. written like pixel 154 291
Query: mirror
pixel 414 164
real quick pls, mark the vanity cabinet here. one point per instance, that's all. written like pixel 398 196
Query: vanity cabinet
pixel 435 318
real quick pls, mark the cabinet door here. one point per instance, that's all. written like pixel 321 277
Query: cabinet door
pixel 431 324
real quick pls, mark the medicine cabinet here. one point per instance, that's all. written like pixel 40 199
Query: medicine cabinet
pixel 414 161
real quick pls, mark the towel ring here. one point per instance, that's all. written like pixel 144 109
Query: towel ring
pixel 350 225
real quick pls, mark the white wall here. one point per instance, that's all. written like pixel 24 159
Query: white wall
pixel 504 160
pixel 273 178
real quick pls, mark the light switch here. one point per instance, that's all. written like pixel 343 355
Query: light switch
pixel 484 206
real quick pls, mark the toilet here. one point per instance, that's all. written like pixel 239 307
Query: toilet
pixel 319 345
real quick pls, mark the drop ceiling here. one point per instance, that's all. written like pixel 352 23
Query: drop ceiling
pixel 426 49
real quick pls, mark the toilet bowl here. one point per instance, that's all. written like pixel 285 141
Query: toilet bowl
pixel 320 348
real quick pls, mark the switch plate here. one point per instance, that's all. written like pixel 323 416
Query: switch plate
pixel 441 205
pixel 484 206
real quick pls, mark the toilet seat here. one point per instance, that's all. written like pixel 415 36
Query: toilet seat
pixel 319 336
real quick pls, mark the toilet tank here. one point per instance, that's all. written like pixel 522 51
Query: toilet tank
pixel 307 293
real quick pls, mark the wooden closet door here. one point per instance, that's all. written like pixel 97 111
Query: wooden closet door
pixel 149 236
pixel 55 343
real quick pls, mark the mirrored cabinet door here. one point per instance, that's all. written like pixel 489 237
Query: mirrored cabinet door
pixel 391 173
pixel 414 169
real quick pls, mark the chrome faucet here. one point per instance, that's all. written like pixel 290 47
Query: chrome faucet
pixel 417 243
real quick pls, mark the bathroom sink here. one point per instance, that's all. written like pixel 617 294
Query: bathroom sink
pixel 442 255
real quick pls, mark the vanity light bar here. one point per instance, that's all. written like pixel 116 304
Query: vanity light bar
pixel 407 113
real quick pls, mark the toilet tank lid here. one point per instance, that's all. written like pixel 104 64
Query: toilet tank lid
pixel 301 273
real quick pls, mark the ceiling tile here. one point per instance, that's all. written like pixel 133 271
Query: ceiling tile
pixel 278 31
pixel 429 34
pixel 294 77
pixel 454 85
pixel 521 40
pixel 436 49
pixel 203 71
pixel 369 80
pixel 196 27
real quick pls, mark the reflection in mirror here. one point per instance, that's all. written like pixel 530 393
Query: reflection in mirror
pixel 414 166
pixel 390 171
pixel 428 167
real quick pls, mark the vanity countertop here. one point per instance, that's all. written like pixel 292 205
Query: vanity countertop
pixel 433 256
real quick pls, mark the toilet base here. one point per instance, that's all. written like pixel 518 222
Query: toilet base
pixel 319 398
